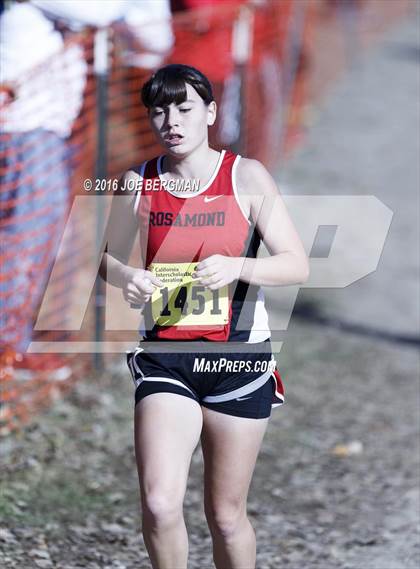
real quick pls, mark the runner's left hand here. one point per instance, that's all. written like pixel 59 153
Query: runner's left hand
pixel 218 270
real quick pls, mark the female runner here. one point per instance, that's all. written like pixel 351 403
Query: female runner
pixel 204 370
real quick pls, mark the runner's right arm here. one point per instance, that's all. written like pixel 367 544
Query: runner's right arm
pixel 137 284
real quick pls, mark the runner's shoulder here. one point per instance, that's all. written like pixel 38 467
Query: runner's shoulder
pixel 129 183
pixel 252 177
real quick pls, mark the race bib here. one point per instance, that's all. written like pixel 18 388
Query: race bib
pixel 183 301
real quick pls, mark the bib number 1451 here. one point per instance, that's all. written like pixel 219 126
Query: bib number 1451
pixel 184 302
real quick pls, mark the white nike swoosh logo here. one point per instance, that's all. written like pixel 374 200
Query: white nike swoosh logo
pixel 211 199
pixel 243 398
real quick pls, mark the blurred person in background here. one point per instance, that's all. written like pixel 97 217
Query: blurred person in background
pixel 210 49
pixel 144 24
pixel 42 82
pixel 77 14
pixel 142 40
pixel 140 34
pixel 216 39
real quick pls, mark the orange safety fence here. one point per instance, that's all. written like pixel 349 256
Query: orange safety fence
pixel 44 144
pixel 269 63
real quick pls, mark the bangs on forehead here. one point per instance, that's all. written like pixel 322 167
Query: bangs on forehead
pixel 169 85
pixel 172 90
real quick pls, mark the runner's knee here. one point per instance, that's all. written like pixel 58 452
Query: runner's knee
pixel 225 518
pixel 161 508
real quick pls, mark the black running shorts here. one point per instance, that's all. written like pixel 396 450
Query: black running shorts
pixel 238 382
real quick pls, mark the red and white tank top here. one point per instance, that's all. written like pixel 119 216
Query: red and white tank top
pixel 176 232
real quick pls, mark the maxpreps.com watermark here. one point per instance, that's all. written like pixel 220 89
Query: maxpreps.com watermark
pixel 133 185
pixel 204 365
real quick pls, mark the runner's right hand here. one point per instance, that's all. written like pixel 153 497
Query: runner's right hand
pixel 139 286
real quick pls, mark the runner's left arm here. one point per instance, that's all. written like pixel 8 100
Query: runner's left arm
pixel 287 264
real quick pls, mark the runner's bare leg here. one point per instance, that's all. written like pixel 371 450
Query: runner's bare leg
pixel 167 430
pixel 230 449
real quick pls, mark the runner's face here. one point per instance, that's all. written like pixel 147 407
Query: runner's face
pixel 182 128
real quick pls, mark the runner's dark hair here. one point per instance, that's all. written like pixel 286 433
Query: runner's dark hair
pixel 167 86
